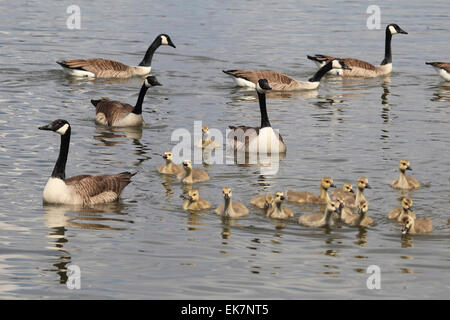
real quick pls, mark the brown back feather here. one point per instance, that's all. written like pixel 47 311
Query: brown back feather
pixel 442 65
pixel 113 110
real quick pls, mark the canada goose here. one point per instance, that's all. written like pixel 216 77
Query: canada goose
pixel 311 198
pixel 103 68
pixel 361 68
pixel 443 68
pixel 412 226
pixel 402 211
pixel 361 219
pixel 83 189
pixel 318 220
pixel 276 211
pixel 403 181
pixel 117 114
pixel 281 82
pixel 345 190
pixel 230 209
pixel 169 167
pixel 194 202
pixel 261 139
pixel 190 175
pixel 206 142
pixel 263 202
pixel 351 200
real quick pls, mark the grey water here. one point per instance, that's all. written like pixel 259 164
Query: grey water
pixel 145 246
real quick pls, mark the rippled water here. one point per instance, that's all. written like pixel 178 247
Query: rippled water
pixel 145 246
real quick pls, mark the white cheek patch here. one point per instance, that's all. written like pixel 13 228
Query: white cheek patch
pixel 148 85
pixel 164 40
pixel 63 129
pixel 392 30
pixel 336 65
pixel 258 88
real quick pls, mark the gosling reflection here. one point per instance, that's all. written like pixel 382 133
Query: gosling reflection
pixel 361 237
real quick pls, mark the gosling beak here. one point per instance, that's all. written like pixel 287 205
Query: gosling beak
pixel 332 185
pixel 404 230
pixel 368 187
pixel 359 211
pixel 351 190
pixel 282 198
pixel 190 198
pixel 408 168
pixel 226 196
pixel 164 157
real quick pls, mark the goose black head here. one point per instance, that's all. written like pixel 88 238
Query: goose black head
pixel 151 81
pixel 262 86
pixel 394 28
pixel 165 40
pixel 59 126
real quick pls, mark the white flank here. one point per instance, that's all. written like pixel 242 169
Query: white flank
pixel 56 191
pixel 443 73
pixel 244 83
pixel 131 120
pixel 142 71
pixel 266 142
pixel 78 73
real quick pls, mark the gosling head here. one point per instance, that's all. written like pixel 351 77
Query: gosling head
pixel 164 40
pixel 268 201
pixel 404 165
pixel 187 164
pixel 341 202
pixel 205 129
pixel 334 206
pixel 59 126
pixel 407 224
pixel 167 156
pixel 226 193
pixel 348 187
pixel 363 183
pixel 262 86
pixel 326 183
pixel 339 64
pixel 193 195
pixel 151 81
pixel 394 28
pixel 406 203
pixel 363 207
pixel 279 198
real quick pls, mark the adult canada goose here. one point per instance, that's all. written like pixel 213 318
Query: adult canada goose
pixel 117 114
pixel 276 211
pixel 261 139
pixel 325 219
pixel 190 175
pixel 361 68
pixel 443 68
pixel 281 82
pixel 230 209
pixel 103 68
pixel 402 211
pixel 361 219
pixel 350 200
pixel 403 181
pixel 413 226
pixel 311 198
pixel 194 202
pixel 345 190
pixel 263 201
pixel 83 189
pixel 169 167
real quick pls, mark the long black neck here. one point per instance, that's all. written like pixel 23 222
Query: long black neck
pixel 387 48
pixel 138 107
pixel 147 61
pixel 59 171
pixel 321 72
pixel 262 107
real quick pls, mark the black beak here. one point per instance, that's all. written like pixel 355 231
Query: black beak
pixel 156 83
pixel 402 31
pixel 226 196
pixel 359 211
pixel 282 198
pixel 47 127
pixel 368 187
pixel 408 168
pixel 332 185
pixel 404 230
pixel 164 157
pixel 190 198
pixel 171 43
pixel 351 190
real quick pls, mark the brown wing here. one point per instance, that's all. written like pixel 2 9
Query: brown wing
pixel 113 110
pixel 442 65
pixel 255 75
pixel 95 65
pixel 348 61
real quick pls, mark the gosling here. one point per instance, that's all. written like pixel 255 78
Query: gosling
pixel 276 211
pixel 403 211
pixel 169 167
pixel 263 202
pixel 310 198
pixel 193 202
pixel 347 189
pixel 206 142
pixel 347 214
pixel 351 200
pixel 413 226
pixel 230 209
pixel 403 181
pixel 326 219
pixel 190 175
pixel 362 219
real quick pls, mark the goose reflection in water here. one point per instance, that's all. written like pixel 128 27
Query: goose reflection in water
pixel 110 136
pixel 268 164
pixel 442 93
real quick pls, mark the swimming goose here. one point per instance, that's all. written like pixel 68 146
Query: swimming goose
pixel 318 220
pixel 276 211
pixel 83 189
pixel 361 219
pixel 117 114
pixel 103 68
pixel 281 82
pixel 169 167
pixel 413 226
pixel 402 211
pixel 190 175
pixel 263 201
pixel 361 68
pixel 347 189
pixel 311 198
pixel 443 68
pixel 230 209
pixel 194 202
pixel 261 139
pixel 350 200
pixel 403 181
